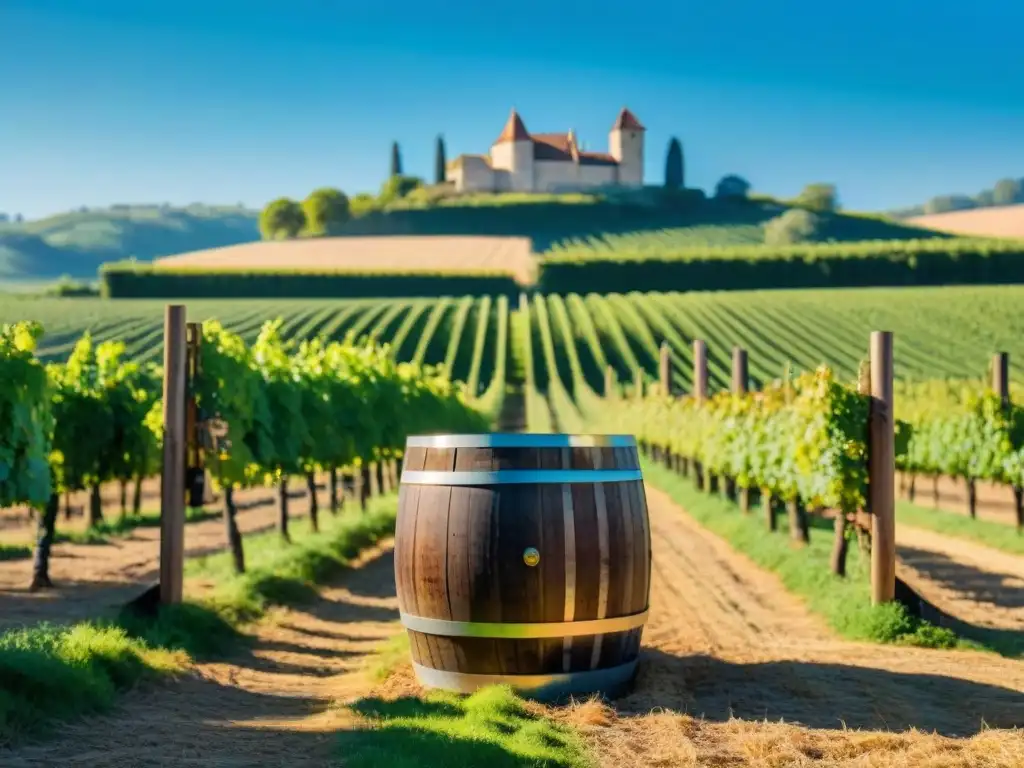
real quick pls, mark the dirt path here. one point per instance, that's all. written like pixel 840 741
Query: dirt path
pixel 992 502
pixel 971 582
pixel 725 641
pixel 272 707
pixel 94 578
pixel 725 638
pixel 727 648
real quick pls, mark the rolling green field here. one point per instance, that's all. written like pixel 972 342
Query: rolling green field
pixel 940 332
pixel 76 243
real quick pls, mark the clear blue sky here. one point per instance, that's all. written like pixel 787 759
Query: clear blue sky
pixel 105 101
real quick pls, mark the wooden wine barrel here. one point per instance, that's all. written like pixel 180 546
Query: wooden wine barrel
pixel 523 559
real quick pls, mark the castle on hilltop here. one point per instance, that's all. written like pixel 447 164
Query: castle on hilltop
pixel 520 161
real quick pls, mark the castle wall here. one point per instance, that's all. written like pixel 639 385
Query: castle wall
pixel 473 174
pixel 556 176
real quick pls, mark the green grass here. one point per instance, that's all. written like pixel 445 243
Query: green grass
pixel 108 529
pixel 14 552
pixel 634 219
pixel 282 574
pixel 490 728
pixel 49 674
pixel 999 536
pixel 844 603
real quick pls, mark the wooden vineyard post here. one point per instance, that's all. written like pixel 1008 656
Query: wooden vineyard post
pixel 638 383
pixel 1001 376
pixel 739 387
pixel 740 378
pixel 882 471
pixel 609 381
pixel 172 478
pixel 700 370
pixel 665 369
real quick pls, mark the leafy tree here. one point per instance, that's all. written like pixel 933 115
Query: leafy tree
pixel 794 226
pixel 818 197
pixel 282 218
pixel 361 204
pixel 732 186
pixel 947 203
pixel 440 166
pixel 18 218
pixel 985 198
pixel 674 165
pixel 325 210
pixel 1008 192
pixel 398 187
pixel 396 160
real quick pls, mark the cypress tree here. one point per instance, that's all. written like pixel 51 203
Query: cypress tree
pixel 396 159
pixel 674 165
pixel 439 161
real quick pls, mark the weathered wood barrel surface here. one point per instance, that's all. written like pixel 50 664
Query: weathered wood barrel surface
pixel 523 559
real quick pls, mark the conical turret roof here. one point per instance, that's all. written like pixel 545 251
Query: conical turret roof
pixel 627 121
pixel 514 129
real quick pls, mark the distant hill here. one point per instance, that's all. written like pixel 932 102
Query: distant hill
pixel 1005 221
pixel 1005 192
pixel 76 243
pixel 558 222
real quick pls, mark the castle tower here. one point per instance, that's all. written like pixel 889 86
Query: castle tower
pixel 513 151
pixel 626 144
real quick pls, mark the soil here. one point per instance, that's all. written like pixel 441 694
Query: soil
pixel 728 654
pixel 992 502
pixel 973 583
pixel 275 706
pixel 95 579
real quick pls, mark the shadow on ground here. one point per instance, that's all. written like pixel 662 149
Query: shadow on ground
pixel 196 721
pixel 999 590
pixel 1004 590
pixel 819 695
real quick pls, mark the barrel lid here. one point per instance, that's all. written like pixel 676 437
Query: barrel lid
pixel 520 440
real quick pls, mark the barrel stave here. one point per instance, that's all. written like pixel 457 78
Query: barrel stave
pixel 405 533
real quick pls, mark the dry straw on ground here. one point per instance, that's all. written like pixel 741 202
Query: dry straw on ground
pixel 396 253
pixel 668 739
pixel 1003 221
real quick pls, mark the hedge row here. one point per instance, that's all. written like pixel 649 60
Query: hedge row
pixel 143 282
pixel 824 265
